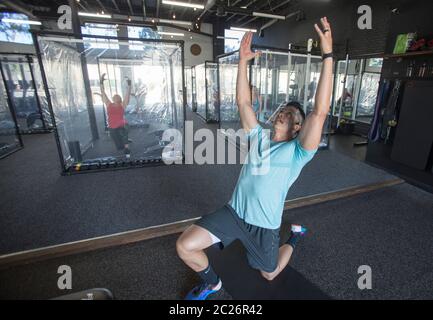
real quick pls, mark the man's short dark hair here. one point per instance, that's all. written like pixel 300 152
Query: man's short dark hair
pixel 298 107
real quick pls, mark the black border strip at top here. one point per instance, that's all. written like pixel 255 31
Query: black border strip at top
pixel 41 33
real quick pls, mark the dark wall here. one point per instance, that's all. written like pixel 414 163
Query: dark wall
pixel 343 16
pixel 414 16
pixel 298 32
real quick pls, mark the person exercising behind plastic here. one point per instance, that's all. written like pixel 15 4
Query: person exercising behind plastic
pixel 254 212
pixel 117 124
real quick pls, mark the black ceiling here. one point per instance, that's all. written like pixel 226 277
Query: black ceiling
pixel 155 8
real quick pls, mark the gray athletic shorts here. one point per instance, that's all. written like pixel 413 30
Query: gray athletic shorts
pixel 262 244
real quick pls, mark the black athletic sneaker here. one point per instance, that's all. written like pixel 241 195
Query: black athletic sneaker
pixel 202 291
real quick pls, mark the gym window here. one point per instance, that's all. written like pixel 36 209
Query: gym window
pixel 97 29
pixel 11 32
pixel 232 40
pixel 141 33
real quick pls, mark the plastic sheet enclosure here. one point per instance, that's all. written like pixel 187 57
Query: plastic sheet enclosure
pixel 188 86
pixel 212 114
pixel 345 84
pixel 193 91
pixel 114 124
pixel 276 77
pixel 229 113
pixel 9 136
pixel 207 96
pixel 356 88
pixel 24 83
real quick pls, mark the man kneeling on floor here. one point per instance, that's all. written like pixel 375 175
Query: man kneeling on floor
pixel 254 212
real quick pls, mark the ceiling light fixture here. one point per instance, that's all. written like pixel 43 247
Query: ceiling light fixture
pixel 183 4
pixel 95 15
pixel 186 23
pixel 16 21
pixel 171 34
pixel 226 38
pixel 268 15
pixel 243 29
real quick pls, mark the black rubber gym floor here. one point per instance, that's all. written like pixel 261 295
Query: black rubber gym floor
pixel 41 208
pixel 389 230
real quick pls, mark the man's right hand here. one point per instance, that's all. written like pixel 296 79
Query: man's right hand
pixel 325 36
pixel 245 53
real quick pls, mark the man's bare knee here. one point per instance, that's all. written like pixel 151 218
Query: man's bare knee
pixel 187 243
pixel 183 247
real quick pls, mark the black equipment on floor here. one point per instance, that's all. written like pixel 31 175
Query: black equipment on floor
pixel 244 283
pixel 90 294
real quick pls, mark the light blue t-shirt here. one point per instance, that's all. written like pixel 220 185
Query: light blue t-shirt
pixel 268 173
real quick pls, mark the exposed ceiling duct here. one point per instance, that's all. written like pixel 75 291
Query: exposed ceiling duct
pixel 115 5
pixel 221 12
pixel 209 5
pixel 18 6
pixel 272 9
pixel 272 22
pixel 246 6
pixel 101 5
pixel 130 7
pixel 261 11
pixel 38 8
pixel 144 9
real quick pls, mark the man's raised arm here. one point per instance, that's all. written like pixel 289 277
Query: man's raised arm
pixel 243 92
pixel 311 132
